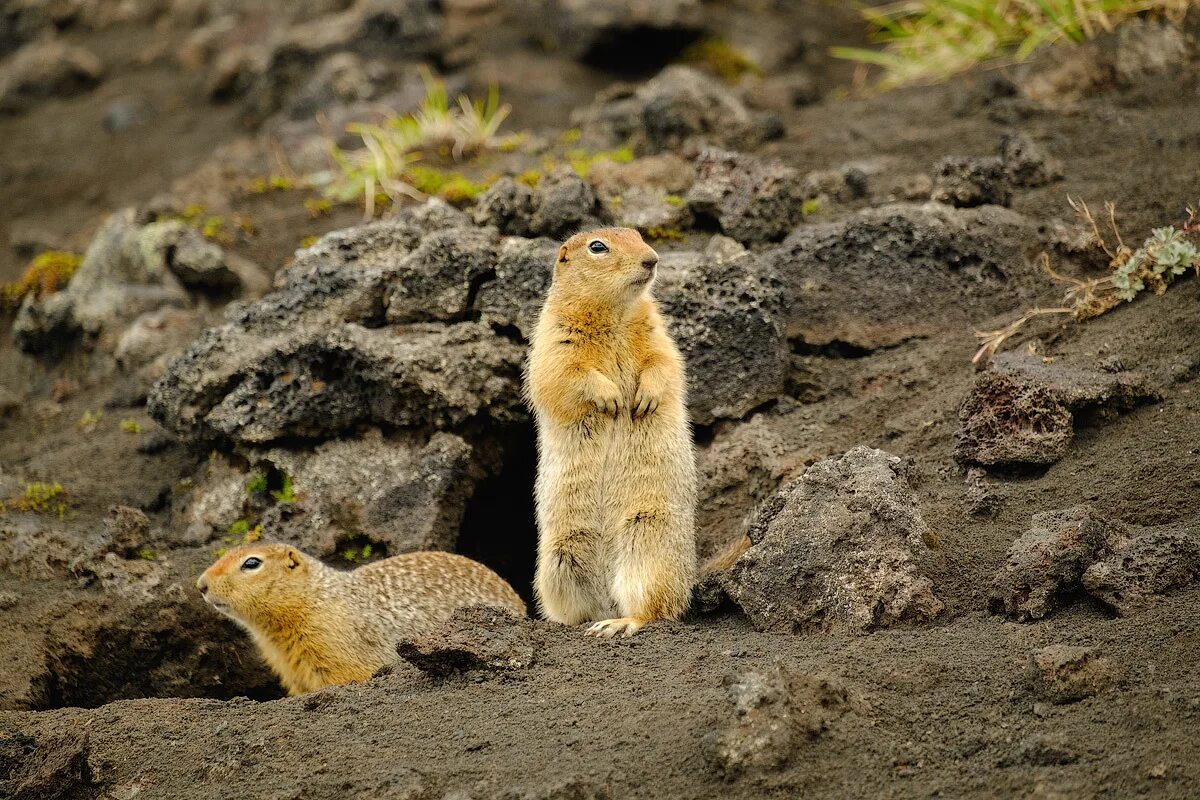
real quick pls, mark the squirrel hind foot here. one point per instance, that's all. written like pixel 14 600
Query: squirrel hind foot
pixel 622 627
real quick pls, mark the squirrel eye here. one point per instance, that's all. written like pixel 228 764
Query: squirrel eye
pixel 251 563
pixel 596 246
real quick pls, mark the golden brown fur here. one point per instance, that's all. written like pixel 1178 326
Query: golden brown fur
pixel 318 626
pixel 616 486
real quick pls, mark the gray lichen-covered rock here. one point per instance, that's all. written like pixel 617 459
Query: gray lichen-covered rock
pixel 750 199
pixel 966 181
pixel 884 275
pixel 677 106
pixel 1153 562
pixel 1046 563
pixel 401 492
pixel 437 280
pixel 839 549
pixel 565 204
pixel 1023 410
pixel 1063 673
pixel 726 316
pixel 474 638
pixel 774 713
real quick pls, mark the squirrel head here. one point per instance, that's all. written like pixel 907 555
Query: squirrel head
pixel 254 585
pixel 611 263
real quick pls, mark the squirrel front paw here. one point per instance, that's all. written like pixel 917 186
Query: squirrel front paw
pixel 646 400
pixel 603 394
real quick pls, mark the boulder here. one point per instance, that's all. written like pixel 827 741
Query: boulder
pixel 839 549
pixel 749 199
pixel 1045 564
pixel 885 275
pixel 44 69
pixel 400 493
pixel 1152 562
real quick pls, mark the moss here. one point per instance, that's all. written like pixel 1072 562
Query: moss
pixel 530 178
pixel 192 213
pixel 131 425
pixel 673 200
pixel 721 58
pixel 89 420
pixel 571 135
pixel 810 206
pixel 272 183
pixel 582 161
pixel 240 528
pixel 213 228
pixel 39 498
pixel 453 187
pixel 661 233
pixel 146 554
pixel 257 483
pixel 310 240
pixel 46 274
pixel 318 207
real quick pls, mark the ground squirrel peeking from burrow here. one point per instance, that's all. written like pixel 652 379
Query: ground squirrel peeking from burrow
pixel 317 626
pixel 616 482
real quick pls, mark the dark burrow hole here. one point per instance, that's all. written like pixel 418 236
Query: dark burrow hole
pixel 499 527
pixel 181 649
pixel 638 51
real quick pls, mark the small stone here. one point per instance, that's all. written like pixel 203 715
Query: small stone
pixel 1152 562
pixel 1064 673
pixel 750 199
pixel 966 181
pixel 1026 163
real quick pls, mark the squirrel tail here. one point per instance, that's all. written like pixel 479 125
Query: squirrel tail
pixel 723 559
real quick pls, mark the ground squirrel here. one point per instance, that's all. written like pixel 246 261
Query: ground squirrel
pixel 316 625
pixel 616 483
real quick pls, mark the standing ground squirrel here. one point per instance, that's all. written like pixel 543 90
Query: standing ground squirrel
pixel 316 625
pixel 616 484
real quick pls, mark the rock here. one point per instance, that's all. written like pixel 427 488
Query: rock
pixel 45 326
pixel 775 712
pixel 599 33
pixel 195 261
pixel 1026 163
pixel 507 205
pixel 1046 563
pixel 565 204
pixel 1064 673
pixel 1005 421
pixel 10 403
pixel 751 200
pixel 965 181
pixel 839 549
pixel 436 282
pixel 155 337
pixel 648 209
pixel 128 529
pixel 476 638
pixel 668 173
pixel 524 269
pixel 236 386
pixel 1152 562
pixel 310 359
pixel 46 69
pixel 215 504
pixel 400 493
pixel 981 498
pixel 1022 410
pixel 883 275
pixel 726 316
pixel 678 106
pixel 1145 49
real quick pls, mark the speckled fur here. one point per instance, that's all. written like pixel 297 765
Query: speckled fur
pixel 317 626
pixel 616 485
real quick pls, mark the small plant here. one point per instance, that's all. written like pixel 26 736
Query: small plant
pixel 659 233
pixel 357 554
pixel 1154 265
pixel 257 483
pixel 46 274
pixel 131 425
pixel 240 528
pixel 89 420
pixel 721 58
pixel 673 200
pixel 530 178
pixel 309 241
pixel 272 183
pixel 39 498
pixel 146 554
pixel 929 40
pixel 810 206
pixel 241 533
pixel 318 207
pixel 582 161
pixel 384 164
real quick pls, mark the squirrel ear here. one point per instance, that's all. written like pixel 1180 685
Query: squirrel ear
pixel 292 558
pixel 562 254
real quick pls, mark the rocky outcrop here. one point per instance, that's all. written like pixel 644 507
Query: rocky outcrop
pixel 839 549
pixel 749 199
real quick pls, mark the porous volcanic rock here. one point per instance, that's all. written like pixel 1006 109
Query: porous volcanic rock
pixel 965 181
pixel 749 199
pixel 1064 673
pixel 839 549
pixel 1152 562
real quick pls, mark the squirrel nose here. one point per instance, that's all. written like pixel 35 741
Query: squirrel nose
pixel 202 585
pixel 650 261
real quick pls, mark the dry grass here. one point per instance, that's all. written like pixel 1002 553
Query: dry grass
pixel 930 40
pixel 1163 256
